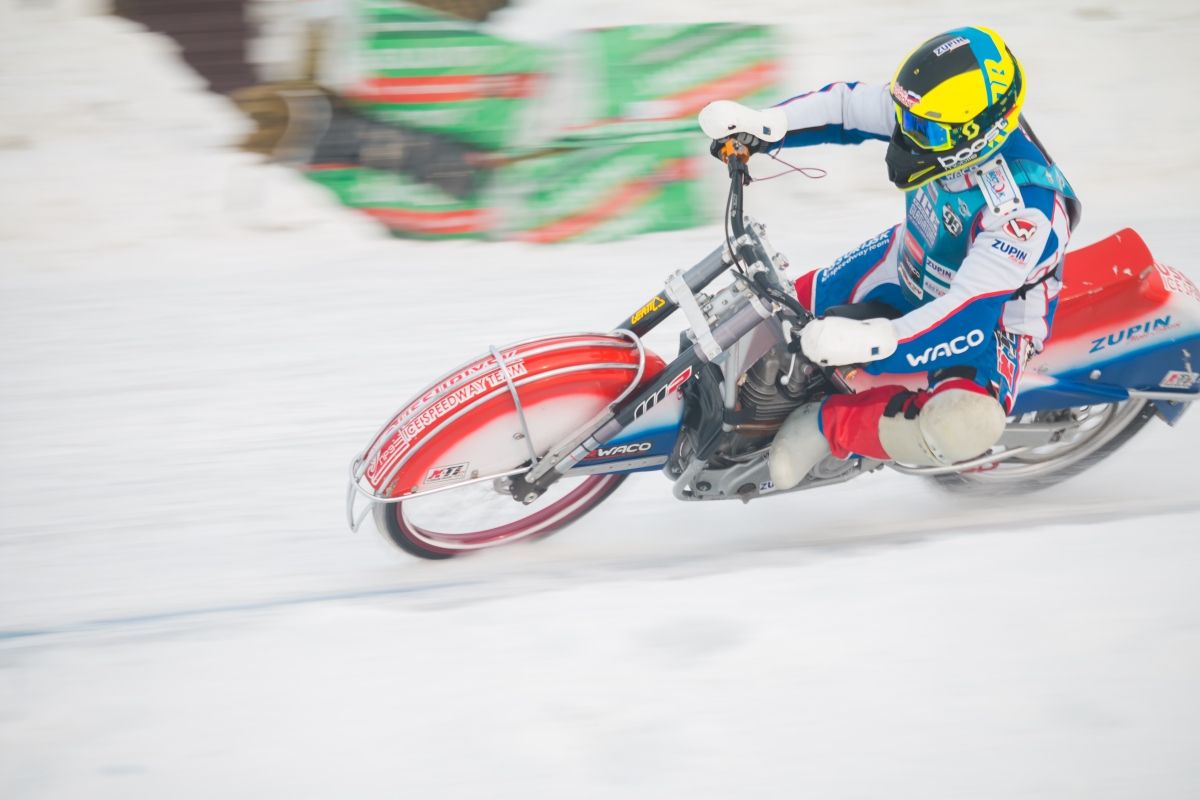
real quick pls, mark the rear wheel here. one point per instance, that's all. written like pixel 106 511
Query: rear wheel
pixel 482 515
pixel 1095 433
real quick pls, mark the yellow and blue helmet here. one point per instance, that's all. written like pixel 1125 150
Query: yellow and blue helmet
pixel 958 97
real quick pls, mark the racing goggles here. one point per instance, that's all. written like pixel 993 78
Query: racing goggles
pixel 928 134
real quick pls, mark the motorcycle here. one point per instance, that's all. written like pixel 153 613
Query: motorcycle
pixel 527 438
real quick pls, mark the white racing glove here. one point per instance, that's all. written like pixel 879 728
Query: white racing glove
pixel 837 341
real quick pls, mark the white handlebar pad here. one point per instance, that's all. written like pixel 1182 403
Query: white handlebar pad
pixel 722 118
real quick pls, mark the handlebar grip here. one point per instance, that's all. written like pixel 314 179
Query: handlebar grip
pixel 732 148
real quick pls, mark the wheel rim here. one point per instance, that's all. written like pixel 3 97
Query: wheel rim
pixel 466 519
pixel 1095 427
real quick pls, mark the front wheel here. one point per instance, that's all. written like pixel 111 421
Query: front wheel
pixel 440 471
pixel 483 515
pixel 1093 434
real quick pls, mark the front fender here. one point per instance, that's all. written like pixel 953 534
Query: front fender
pixel 466 424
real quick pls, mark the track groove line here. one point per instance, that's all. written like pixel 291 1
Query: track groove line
pixel 1074 514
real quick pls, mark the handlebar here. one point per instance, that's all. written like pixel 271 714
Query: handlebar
pixel 744 249
pixel 736 157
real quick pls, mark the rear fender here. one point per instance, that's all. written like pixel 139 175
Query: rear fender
pixel 1124 322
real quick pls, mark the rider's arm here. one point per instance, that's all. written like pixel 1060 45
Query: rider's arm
pixel 1007 252
pixel 840 113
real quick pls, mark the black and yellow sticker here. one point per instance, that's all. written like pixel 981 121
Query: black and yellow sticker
pixel 655 304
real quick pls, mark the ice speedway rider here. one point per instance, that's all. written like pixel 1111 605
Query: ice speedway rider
pixel 974 270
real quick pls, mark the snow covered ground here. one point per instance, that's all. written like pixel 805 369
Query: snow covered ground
pixel 193 346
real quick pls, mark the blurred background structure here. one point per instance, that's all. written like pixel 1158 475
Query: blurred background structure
pixel 419 115
pixel 237 43
pixel 213 35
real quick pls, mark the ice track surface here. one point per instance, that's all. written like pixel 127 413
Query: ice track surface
pixel 194 345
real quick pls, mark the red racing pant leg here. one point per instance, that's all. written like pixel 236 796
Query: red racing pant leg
pixel 851 422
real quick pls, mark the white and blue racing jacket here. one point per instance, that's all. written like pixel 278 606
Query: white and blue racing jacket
pixel 981 247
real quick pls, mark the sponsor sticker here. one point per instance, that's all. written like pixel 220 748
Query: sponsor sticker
pixel 911 275
pixel 904 97
pixel 450 472
pixel 464 393
pixel 1019 228
pixel 1014 253
pixel 956 346
pixel 868 246
pixel 1134 333
pixel 675 384
pixel 963 208
pixel 969 153
pixel 923 216
pixel 949 46
pixel 939 270
pixel 996 181
pixel 933 288
pixel 957 178
pixel 630 449
pixel 953 224
pixel 654 305
pixel 1179 380
pixel 913 248
pixel 1177 282
pixel 679 380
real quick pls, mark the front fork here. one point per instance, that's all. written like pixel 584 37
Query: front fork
pixel 738 311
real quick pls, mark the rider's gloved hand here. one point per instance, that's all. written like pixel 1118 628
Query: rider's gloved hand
pixel 752 143
pixel 757 130
pixel 837 341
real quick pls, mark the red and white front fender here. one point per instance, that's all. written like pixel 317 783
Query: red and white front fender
pixel 466 426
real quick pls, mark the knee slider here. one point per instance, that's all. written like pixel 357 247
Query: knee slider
pixel 953 425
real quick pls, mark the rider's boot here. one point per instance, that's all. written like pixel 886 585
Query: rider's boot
pixel 798 447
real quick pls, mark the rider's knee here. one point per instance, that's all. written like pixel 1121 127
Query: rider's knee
pixel 953 425
pixel 960 424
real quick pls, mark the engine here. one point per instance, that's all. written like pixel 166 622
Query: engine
pixel 772 388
